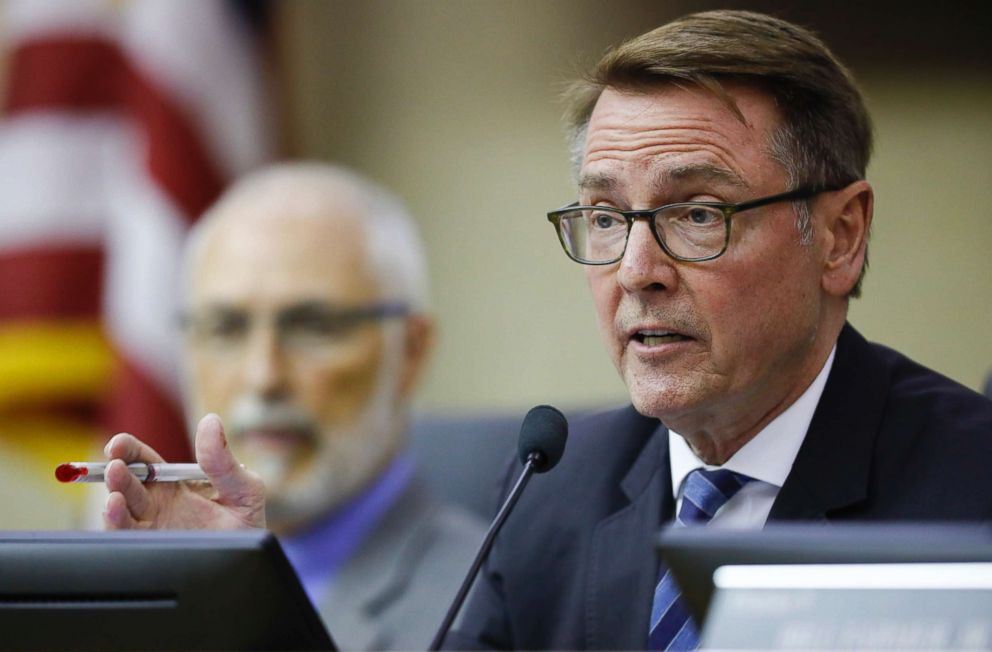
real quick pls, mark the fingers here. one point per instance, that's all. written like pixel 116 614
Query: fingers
pixel 123 483
pixel 116 515
pixel 129 501
pixel 130 449
pixel 235 486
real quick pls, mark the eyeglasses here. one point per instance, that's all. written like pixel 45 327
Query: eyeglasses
pixel 687 231
pixel 308 326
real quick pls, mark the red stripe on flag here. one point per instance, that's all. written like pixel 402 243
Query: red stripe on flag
pixel 79 74
pixel 138 405
pixel 65 72
pixel 51 282
pixel 177 160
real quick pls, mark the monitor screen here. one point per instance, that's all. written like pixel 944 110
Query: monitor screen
pixel 694 554
pixel 163 590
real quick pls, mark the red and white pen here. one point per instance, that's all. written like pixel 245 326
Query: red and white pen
pixel 93 472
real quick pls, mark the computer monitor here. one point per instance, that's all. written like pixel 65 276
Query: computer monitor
pixel 163 590
pixel 694 554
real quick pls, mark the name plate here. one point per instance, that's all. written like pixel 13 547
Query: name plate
pixel 925 606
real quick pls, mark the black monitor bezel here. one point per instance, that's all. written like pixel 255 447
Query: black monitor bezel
pixel 153 590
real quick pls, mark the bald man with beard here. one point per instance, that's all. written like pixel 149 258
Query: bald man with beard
pixel 306 323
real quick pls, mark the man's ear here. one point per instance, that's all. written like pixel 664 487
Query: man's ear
pixel 418 341
pixel 845 224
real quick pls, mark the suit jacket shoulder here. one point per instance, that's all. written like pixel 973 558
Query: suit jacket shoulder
pixel 394 592
pixel 891 440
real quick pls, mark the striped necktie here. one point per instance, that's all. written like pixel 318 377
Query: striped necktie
pixel 705 493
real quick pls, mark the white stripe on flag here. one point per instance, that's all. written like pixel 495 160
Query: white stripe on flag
pixel 201 54
pixel 25 20
pixel 51 178
pixel 145 232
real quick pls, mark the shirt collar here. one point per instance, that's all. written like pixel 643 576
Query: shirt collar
pixel 768 457
pixel 318 551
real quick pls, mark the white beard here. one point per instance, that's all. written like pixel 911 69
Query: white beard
pixel 344 462
pixel 345 457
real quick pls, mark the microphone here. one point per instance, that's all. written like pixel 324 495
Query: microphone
pixel 540 447
pixel 542 438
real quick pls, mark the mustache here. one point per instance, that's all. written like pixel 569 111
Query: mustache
pixel 680 322
pixel 252 413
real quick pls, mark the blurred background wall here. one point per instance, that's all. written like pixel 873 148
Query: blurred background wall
pixel 454 105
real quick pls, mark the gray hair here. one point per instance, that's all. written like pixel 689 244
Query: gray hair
pixel 394 248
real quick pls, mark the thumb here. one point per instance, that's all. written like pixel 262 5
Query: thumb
pixel 235 486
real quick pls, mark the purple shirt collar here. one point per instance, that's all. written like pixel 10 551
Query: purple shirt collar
pixel 318 551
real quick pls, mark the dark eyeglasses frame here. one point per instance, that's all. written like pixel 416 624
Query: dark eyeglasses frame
pixel 346 317
pixel 728 210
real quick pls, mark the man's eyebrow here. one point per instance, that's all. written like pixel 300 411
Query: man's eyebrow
pixel 308 309
pixel 211 312
pixel 602 182
pixel 215 309
pixel 319 309
pixel 702 172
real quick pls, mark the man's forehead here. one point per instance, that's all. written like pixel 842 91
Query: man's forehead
pixel 285 238
pixel 278 260
pixel 727 93
pixel 311 220
pixel 671 135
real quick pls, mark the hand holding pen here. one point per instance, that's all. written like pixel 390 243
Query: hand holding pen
pixel 234 497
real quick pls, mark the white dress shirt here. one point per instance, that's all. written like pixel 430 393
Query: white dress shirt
pixel 767 458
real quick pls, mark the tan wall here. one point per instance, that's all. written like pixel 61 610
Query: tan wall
pixel 453 105
pixel 929 289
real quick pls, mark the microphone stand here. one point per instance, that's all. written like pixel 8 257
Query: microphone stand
pixel 535 460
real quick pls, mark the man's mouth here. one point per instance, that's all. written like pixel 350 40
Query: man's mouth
pixel 658 337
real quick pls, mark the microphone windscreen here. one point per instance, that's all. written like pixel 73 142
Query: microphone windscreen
pixel 544 430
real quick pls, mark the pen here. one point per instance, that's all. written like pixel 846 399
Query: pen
pixel 93 472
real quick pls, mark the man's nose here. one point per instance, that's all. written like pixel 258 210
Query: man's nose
pixel 645 265
pixel 265 363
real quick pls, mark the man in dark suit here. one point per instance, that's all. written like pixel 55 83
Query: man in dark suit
pixel 575 567
pixel 733 342
pixel 752 398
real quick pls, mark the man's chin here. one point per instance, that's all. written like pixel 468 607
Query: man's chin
pixel 661 400
pixel 290 506
pixel 278 444
pixel 259 450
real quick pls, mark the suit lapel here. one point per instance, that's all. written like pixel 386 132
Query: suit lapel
pixel 831 473
pixel 622 559
pixel 831 470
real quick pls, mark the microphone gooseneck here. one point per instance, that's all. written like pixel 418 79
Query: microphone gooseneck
pixel 540 447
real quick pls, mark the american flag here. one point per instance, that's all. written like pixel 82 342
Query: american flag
pixel 121 123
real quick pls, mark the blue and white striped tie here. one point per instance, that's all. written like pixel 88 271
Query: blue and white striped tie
pixel 705 493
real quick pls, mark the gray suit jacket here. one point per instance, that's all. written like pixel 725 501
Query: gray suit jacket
pixel 393 593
